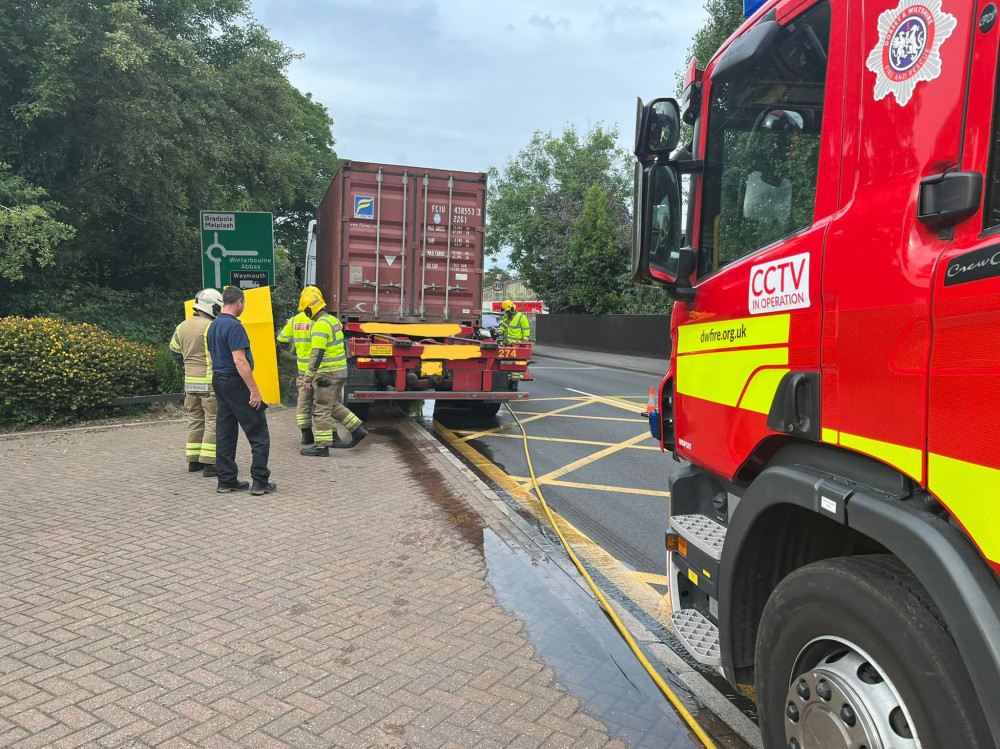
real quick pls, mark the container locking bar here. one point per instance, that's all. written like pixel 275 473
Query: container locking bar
pixel 378 238
pixel 423 255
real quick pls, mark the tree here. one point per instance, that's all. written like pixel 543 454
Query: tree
pixel 29 231
pixel 724 17
pixel 595 258
pixel 135 115
pixel 536 203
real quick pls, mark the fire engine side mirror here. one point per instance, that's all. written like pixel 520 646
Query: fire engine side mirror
pixel 658 128
pixel 657 256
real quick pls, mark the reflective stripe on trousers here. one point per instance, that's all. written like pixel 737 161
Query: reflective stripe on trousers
pixel 201 410
pixel 329 407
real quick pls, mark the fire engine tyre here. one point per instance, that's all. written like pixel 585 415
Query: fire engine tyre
pixel 851 653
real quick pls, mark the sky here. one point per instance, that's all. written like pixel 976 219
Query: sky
pixel 463 84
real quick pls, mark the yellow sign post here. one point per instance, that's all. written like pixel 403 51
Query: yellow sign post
pixel 258 319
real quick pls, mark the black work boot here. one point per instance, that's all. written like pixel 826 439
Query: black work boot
pixel 239 486
pixel 316 451
pixel 211 471
pixel 194 467
pixel 356 436
pixel 263 487
pixel 307 436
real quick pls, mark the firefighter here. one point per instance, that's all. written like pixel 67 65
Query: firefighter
pixel 514 328
pixel 188 348
pixel 326 374
pixel 296 331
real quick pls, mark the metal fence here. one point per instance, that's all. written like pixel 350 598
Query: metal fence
pixel 631 335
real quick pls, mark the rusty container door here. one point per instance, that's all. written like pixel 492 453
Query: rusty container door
pixel 402 244
pixel 449 223
pixel 376 231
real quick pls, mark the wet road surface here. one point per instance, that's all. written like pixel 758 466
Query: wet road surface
pixel 603 474
pixel 619 499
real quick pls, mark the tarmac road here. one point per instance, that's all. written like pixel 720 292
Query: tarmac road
pixel 599 467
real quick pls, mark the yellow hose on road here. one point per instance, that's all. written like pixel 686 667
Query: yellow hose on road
pixel 667 691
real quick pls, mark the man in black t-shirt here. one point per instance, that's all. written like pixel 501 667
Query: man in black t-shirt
pixel 239 400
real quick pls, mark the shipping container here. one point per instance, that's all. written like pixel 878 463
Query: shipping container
pixel 398 243
pixel 398 254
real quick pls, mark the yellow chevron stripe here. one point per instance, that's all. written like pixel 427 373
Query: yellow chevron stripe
pixel 721 375
pixel 909 460
pixel 972 493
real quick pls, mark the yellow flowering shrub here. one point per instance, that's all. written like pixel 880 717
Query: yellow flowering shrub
pixel 52 371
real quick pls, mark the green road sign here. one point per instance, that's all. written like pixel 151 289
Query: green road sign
pixel 237 249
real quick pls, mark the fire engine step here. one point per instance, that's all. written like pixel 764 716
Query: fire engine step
pixel 699 636
pixel 702 531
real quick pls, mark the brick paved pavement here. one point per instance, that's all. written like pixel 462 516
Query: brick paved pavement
pixel 140 608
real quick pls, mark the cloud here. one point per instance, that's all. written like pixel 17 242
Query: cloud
pixel 463 84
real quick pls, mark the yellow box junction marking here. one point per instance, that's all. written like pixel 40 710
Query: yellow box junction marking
pixel 641 593
pixel 593 458
pixel 565 440
pixel 526 420
pixel 603 488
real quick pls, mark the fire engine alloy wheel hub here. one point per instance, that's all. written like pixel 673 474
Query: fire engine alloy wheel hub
pixel 840 698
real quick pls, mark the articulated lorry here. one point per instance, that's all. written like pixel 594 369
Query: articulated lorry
pixel 833 394
pixel 398 254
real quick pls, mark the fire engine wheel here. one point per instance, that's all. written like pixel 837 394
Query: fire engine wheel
pixel 851 654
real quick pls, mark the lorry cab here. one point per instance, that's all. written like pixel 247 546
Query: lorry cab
pixel 834 384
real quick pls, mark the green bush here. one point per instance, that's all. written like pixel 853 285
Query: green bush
pixel 53 371
pixel 169 374
pixel 148 316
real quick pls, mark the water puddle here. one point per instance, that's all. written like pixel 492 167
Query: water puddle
pixel 573 636
pixel 567 627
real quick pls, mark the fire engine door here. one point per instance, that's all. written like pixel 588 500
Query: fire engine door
pixel 963 463
pixel 762 214
pixel 903 114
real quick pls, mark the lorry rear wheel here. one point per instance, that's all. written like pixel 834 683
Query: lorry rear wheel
pixel 485 410
pixel 852 654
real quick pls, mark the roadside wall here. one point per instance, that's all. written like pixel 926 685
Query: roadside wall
pixel 632 335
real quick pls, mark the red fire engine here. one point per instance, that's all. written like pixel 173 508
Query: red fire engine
pixel 834 385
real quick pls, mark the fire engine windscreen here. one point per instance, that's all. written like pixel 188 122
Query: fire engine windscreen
pixel 762 153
